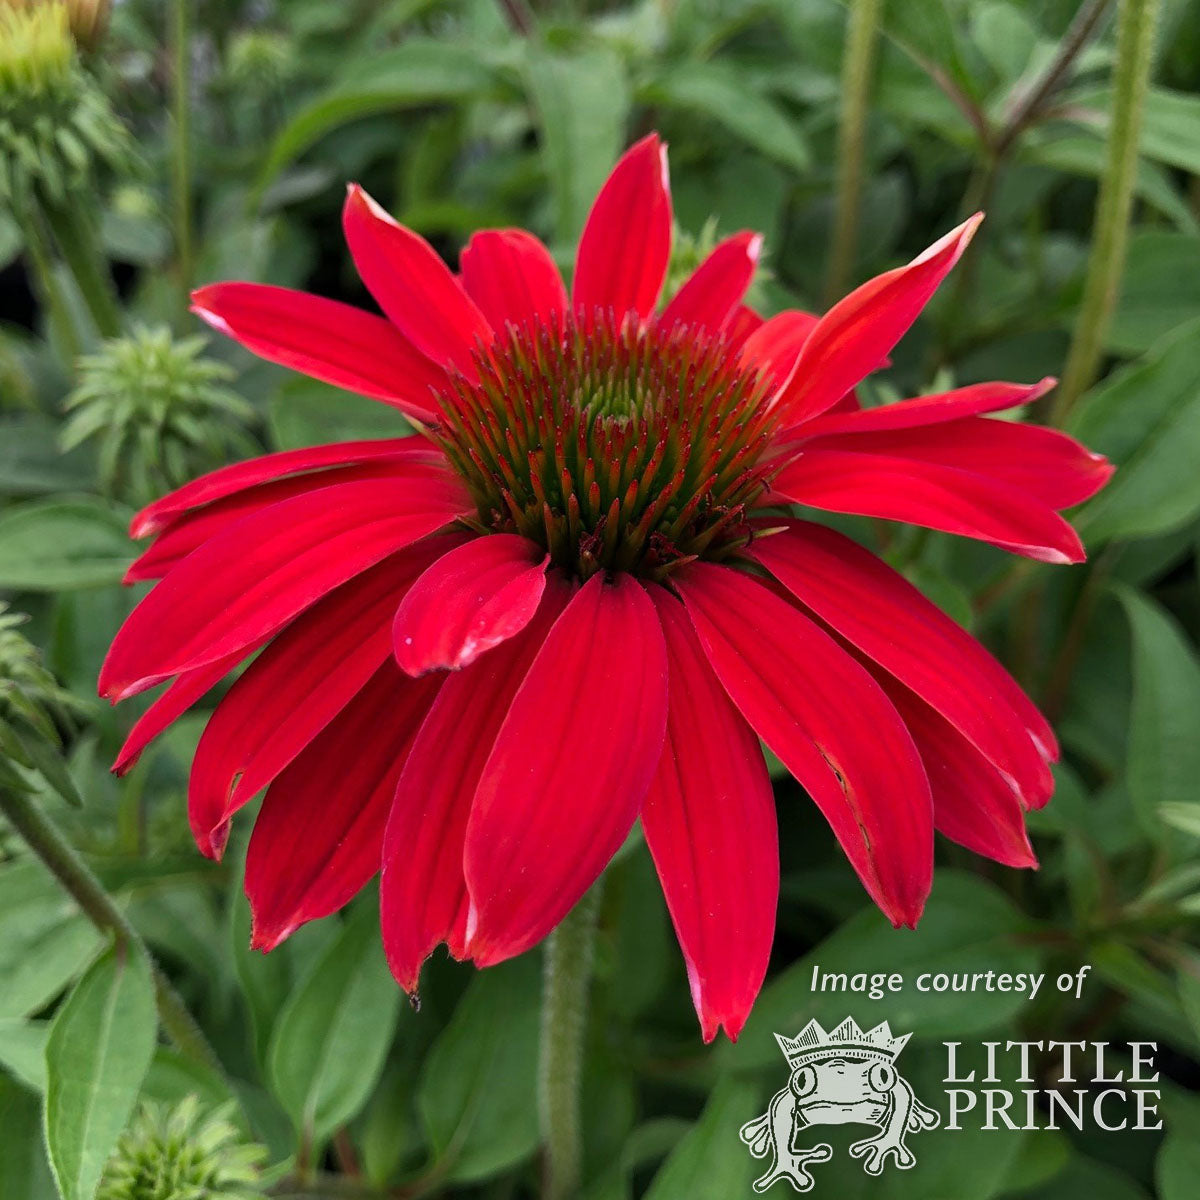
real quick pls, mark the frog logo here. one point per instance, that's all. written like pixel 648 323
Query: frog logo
pixel 846 1077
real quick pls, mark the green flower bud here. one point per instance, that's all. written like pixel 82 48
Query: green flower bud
pixel 159 412
pixel 688 251
pixel 260 62
pixel 183 1154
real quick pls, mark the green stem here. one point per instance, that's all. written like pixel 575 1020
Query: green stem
pixel 44 838
pixel 1136 24
pixel 564 1013
pixel 58 311
pixel 76 241
pixel 857 69
pixel 182 158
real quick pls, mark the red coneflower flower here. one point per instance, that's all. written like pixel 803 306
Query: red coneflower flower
pixel 492 647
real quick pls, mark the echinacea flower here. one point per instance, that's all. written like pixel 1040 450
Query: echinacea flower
pixel 565 605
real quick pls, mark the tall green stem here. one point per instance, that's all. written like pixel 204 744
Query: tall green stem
pixel 75 237
pixel 564 1014
pixel 857 68
pixel 46 841
pixel 41 260
pixel 1137 21
pixel 181 119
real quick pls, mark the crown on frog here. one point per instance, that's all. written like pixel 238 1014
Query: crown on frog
pixel 846 1041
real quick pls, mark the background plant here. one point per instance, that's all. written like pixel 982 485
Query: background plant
pixel 851 135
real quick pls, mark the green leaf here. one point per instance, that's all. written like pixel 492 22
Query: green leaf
pixel 31 460
pixel 717 91
pixel 24 1172
pixel 478 1082
pixel 99 1049
pixel 1146 418
pixel 710 1162
pixel 420 71
pixel 1170 124
pixel 1177 1168
pixel 1159 292
pixel 968 925
pixel 62 544
pixel 304 412
pixel 582 105
pixel 332 1036
pixel 1163 762
pixel 23 1051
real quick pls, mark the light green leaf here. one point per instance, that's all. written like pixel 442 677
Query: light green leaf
pixel 479 1080
pixel 1146 418
pixel 1163 762
pixel 582 106
pixel 99 1049
pixel 62 544
pixel 420 71
pixel 1170 124
pixel 23 1051
pixel 716 91
pixel 329 1043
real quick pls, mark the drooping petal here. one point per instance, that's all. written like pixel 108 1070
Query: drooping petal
pixel 776 344
pixel 512 278
pixel 192 529
pixel 469 601
pixel 422 892
pixel 237 477
pixel 569 770
pixel 936 496
pixel 969 401
pixel 295 688
pixel 972 803
pixel 1044 463
pixel 854 337
pixel 712 293
pixel 894 625
pixel 626 243
pixel 412 285
pixel 830 724
pixel 709 820
pixel 330 341
pixel 318 838
pixel 171 705
pixel 258 574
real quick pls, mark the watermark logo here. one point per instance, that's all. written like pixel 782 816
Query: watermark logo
pixel 846 1077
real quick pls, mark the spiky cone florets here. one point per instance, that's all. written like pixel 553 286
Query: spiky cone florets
pixel 183 1154
pixel 613 444
pixel 159 410
pixel 56 126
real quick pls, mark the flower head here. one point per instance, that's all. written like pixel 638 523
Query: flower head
pixel 159 409
pixel 571 601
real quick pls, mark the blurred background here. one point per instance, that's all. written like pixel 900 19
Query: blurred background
pixel 160 145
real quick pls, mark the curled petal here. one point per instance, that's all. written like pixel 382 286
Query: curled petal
pixel 626 243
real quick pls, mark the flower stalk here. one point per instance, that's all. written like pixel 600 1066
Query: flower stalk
pixel 857 70
pixel 75 239
pixel 568 974
pixel 1137 21
pixel 181 120
pixel 44 838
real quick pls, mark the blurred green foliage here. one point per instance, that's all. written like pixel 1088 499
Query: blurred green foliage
pixel 464 113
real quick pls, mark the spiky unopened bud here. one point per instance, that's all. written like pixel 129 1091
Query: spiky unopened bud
pixel 159 411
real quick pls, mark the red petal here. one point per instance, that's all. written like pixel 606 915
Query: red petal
pixel 569 769
pixel 626 243
pixel 830 724
pixel 938 497
pixel 894 625
pixel 190 531
pixel 709 820
pixel 469 601
pixel 294 689
pixel 423 894
pixel 512 278
pixel 715 289
pixel 333 342
pixel 258 574
pixel 171 705
pixel 741 325
pixel 1047 465
pixel 237 477
pixel 854 337
pixel 972 804
pixel 319 836
pixel 776 344
pixel 930 410
pixel 412 285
